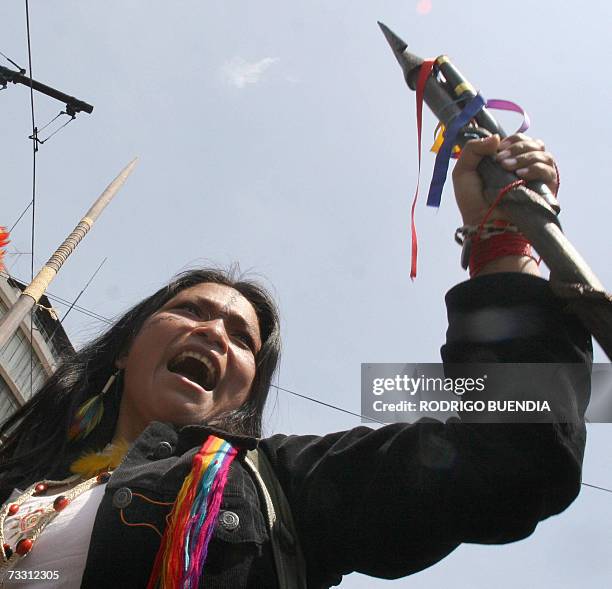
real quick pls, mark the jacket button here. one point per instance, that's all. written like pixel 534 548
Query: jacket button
pixel 122 498
pixel 229 520
pixel 163 450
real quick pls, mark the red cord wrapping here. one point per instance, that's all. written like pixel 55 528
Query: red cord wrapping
pixel 498 246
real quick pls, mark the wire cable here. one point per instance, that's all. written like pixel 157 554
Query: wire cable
pixel 377 421
pixel 328 404
pixel 76 299
pixel 36 137
pixel 597 487
pixel 34 150
pixel 20 217
pixel 67 303
pixel 9 59
pixel 82 310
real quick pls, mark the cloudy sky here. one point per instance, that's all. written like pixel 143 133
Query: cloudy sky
pixel 281 135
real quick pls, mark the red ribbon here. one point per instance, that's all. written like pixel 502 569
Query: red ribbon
pixel 424 74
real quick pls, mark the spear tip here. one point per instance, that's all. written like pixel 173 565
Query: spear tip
pixel 397 44
pixel 408 61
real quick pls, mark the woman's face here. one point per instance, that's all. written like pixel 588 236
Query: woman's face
pixel 193 359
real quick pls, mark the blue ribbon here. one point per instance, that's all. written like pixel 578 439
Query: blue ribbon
pixel 440 171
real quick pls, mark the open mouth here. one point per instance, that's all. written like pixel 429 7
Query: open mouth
pixel 195 367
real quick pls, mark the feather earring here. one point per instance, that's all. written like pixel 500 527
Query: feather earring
pixel 90 413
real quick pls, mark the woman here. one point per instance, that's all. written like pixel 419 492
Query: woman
pixel 182 379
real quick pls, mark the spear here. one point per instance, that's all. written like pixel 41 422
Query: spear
pixel 30 296
pixel 532 209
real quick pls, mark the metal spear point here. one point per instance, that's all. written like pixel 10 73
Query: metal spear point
pixel 532 213
pixel 443 102
pixel 436 97
pixel 31 295
pixel 397 44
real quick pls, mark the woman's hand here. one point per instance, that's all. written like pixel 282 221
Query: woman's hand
pixel 518 153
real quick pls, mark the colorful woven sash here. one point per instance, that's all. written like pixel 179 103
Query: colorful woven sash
pixel 184 546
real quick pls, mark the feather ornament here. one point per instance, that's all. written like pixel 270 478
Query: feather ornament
pixel 93 463
pixel 90 413
pixel 87 417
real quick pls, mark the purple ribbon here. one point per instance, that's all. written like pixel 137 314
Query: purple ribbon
pixel 499 104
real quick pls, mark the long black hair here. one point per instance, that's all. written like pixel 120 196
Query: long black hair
pixel 35 436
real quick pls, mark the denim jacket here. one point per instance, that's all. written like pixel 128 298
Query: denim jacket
pixel 386 502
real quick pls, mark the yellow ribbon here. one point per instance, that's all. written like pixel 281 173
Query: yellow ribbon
pixel 439 139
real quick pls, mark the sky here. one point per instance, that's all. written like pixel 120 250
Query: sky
pixel 282 136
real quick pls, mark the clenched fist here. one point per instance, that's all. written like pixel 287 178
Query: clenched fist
pixel 518 153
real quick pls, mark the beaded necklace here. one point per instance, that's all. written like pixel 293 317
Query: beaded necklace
pixel 93 469
pixel 11 554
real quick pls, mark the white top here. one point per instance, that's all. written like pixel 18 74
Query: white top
pixel 58 556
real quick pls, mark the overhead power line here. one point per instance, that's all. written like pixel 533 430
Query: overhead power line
pixel 34 150
pixel 376 420
pixel 67 303
pixel 597 487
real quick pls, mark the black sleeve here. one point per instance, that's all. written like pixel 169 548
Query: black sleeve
pixel 393 501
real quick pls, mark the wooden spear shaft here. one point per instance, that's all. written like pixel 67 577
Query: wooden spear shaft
pixel 30 296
